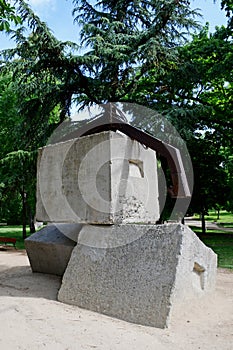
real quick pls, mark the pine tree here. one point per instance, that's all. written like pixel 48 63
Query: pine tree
pixel 125 40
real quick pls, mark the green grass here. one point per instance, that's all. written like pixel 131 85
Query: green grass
pixel 14 232
pixel 226 225
pixel 222 244
pixel 225 219
pixel 220 241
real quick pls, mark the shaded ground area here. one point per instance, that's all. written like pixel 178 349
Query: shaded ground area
pixel 33 319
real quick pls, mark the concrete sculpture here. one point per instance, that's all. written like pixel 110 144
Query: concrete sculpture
pixel 99 190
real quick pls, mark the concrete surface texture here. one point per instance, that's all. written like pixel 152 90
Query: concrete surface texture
pixel 105 178
pixel 49 249
pixel 143 280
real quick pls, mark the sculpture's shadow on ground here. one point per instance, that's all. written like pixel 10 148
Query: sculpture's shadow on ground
pixel 20 281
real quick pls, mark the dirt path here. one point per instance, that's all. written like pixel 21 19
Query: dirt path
pixel 31 318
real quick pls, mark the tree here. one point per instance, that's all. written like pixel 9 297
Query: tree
pixel 228 166
pixel 18 173
pixel 211 187
pixel 227 5
pixel 28 115
pixel 196 96
pixel 134 52
pixel 7 15
pixel 198 91
pixel 18 168
pixel 125 39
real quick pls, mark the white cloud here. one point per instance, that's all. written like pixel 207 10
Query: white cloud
pixel 42 7
pixel 41 3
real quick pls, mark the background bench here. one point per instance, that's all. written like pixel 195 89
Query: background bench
pixel 7 240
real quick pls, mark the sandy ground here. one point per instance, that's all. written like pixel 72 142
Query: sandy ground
pixel 31 318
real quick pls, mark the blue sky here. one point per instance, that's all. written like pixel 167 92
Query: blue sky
pixel 57 14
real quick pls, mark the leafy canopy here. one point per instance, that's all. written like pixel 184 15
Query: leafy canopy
pixel 8 15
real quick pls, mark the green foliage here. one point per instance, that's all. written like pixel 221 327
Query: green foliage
pixel 10 206
pixel 40 68
pixel 228 165
pixel 8 15
pixel 221 243
pixel 211 188
pixel 206 80
pixel 196 96
pixel 126 39
pixel 227 5
pixel 18 177
pixel 197 93
pixel 17 157
pixel 135 51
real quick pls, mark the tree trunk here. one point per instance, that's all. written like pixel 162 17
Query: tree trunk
pixel 218 216
pixel 31 220
pixel 203 226
pixel 32 225
pixel 24 213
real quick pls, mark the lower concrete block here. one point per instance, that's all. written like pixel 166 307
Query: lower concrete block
pixel 141 280
pixel 49 249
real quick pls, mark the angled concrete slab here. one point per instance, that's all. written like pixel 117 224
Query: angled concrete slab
pixel 142 280
pixel 49 249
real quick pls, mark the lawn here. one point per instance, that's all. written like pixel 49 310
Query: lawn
pixel 225 218
pixel 222 244
pixel 220 241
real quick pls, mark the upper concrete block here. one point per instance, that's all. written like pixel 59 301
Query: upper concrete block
pixel 104 178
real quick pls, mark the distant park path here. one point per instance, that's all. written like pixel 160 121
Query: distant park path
pixel 209 225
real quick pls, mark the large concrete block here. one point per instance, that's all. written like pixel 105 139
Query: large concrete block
pixel 142 280
pixel 49 249
pixel 105 178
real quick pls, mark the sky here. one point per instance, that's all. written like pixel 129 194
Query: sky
pixel 58 16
